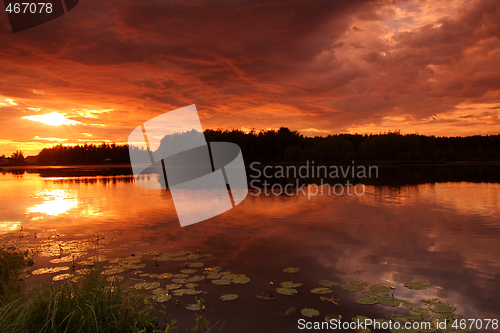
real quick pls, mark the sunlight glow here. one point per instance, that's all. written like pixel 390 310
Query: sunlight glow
pixel 54 119
pixel 55 202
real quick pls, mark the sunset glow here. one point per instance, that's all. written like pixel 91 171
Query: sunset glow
pixel 54 119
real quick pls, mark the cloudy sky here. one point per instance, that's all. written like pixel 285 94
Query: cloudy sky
pixel 318 67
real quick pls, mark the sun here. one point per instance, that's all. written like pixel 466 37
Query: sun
pixel 54 119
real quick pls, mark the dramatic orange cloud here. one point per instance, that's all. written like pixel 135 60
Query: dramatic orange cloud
pixel 319 67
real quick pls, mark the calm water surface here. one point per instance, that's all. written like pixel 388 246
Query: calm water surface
pixel 448 233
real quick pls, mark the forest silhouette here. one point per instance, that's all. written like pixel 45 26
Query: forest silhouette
pixel 291 147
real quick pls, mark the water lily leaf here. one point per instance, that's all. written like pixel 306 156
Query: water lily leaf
pixel 418 284
pixel 351 287
pixel 229 276
pixel 173 286
pixel 194 256
pixel 358 282
pixel 213 276
pixel 181 281
pixel 61 277
pixel 380 288
pixel 406 305
pixel 389 301
pixel 221 282
pixel 190 291
pixel 264 297
pixel 113 270
pixel 188 271
pixel 164 276
pixel 290 311
pixel 440 307
pixel 309 312
pixel 430 301
pixel 329 299
pixel 292 270
pixel 286 291
pixel 115 278
pixel 216 269
pixel 195 307
pixel 162 297
pixel 241 280
pixel 180 276
pixel 290 284
pixel 374 294
pixel 225 273
pixel 191 285
pixel 153 276
pixel 196 278
pixel 159 291
pixel 367 300
pixel 229 297
pixel 360 318
pixel 147 285
pixel 362 329
pixel 401 319
pixel 328 283
pixel 48 270
pixel 195 264
pixel 321 291
pixel 334 317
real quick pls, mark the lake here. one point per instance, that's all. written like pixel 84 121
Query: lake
pixel 444 228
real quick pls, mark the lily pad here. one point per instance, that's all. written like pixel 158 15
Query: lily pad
pixel 329 299
pixel 389 301
pixel 241 280
pixel 196 278
pixel 191 285
pixel 292 270
pixel 440 307
pixel 358 282
pixel 351 287
pixel 286 291
pixel 367 300
pixel 181 281
pixel 229 276
pixel 147 285
pixel 195 306
pixel 418 284
pixel 265 297
pixel 181 276
pixel 309 312
pixel 195 264
pixel 229 297
pixel 164 276
pixel 221 282
pixel 162 297
pixel 322 291
pixel 328 283
pixel 173 286
pixel 213 276
pixel 334 317
pixel 290 311
pixel 380 288
pixel 188 271
pixel 290 284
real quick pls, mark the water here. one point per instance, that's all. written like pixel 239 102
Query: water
pixel 446 232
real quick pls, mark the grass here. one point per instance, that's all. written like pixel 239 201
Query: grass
pixel 86 304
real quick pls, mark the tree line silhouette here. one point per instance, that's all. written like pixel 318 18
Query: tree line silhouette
pixel 284 145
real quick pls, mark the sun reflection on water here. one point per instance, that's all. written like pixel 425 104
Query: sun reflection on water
pixel 56 201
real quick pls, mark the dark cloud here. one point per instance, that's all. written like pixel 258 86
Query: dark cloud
pixel 326 65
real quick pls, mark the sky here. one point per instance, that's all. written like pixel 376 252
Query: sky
pixel 318 67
